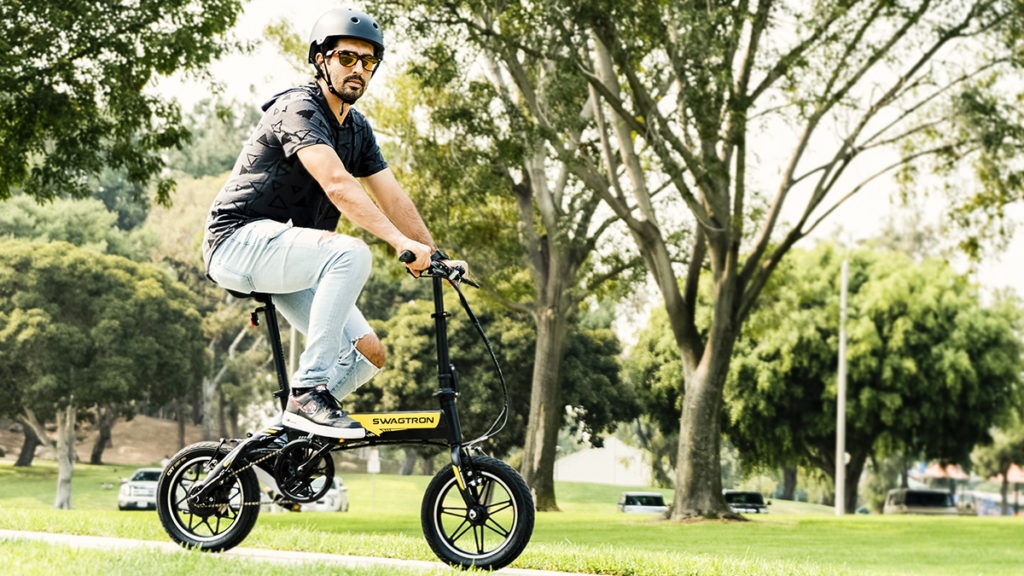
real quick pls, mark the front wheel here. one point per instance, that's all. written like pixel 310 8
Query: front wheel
pixel 492 529
pixel 220 519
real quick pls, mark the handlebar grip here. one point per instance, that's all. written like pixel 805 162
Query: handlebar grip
pixel 407 256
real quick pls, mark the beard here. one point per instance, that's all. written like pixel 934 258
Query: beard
pixel 349 93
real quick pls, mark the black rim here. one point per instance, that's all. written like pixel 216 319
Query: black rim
pixel 478 531
pixel 212 516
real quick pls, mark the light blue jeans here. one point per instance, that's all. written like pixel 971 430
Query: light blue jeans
pixel 315 278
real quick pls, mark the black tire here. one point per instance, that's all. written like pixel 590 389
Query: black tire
pixel 224 518
pixel 488 536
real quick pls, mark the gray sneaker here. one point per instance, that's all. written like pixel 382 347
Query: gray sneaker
pixel 316 411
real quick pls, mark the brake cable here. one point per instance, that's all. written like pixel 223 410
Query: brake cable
pixel 502 419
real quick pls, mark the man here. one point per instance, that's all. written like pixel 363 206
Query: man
pixel 312 158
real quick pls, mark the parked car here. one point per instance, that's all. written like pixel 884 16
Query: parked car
pixel 139 491
pixel 642 503
pixel 335 500
pixel 919 501
pixel 743 502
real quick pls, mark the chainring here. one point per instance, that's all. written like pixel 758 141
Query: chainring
pixel 303 472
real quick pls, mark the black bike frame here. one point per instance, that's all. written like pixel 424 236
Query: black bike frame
pixel 446 394
pixel 448 430
pixel 273 329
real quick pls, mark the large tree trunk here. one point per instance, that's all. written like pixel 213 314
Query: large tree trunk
pixel 28 445
pixel 698 490
pixel 65 456
pixel 208 418
pixel 789 484
pixel 409 463
pixel 854 468
pixel 105 419
pixel 699 467
pixel 546 409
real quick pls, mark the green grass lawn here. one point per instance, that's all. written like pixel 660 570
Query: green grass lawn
pixel 588 535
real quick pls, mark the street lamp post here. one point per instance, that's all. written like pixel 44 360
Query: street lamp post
pixel 841 402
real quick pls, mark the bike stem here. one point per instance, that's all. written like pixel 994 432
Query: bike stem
pixel 447 382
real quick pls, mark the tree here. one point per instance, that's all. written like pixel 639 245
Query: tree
pixel 78 329
pixel 930 369
pixel 746 113
pixel 87 224
pixel 219 129
pixel 73 87
pixel 484 163
pixel 996 458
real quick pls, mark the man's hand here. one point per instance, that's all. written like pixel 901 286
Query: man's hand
pixel 458 264
pixel 422 253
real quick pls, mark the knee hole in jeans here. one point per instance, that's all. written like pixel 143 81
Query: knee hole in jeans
pixel 372 349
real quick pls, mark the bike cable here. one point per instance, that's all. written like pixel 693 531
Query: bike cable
pixel 502 418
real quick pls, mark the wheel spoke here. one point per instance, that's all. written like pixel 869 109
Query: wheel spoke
pixel 499 506
pixel 497 528
pixel 460 531
pixel 478 536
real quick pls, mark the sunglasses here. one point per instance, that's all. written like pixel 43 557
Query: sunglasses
pixel 349 59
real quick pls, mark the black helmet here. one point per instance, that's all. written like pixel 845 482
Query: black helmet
pixel 349 23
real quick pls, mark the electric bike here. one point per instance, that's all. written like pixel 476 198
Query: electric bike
pixel 476 512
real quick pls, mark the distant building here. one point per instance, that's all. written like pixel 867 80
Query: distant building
pixel 615 463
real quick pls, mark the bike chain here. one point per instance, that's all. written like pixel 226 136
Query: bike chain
pixel 234 474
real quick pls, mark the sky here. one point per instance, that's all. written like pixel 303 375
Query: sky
pixel 251 79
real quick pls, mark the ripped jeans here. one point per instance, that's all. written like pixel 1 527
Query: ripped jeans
pixel 315 278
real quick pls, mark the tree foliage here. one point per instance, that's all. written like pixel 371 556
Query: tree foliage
pixel 74 79
pixel 930 369
pixel 79 329
pixel 218 129
pixel 87 328
pixel 84 223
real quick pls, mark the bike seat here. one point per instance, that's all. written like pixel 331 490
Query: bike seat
pixel 258 296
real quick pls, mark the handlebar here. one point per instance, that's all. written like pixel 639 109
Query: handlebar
pixel 439 267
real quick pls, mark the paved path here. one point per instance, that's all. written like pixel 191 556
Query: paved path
pixel 280 556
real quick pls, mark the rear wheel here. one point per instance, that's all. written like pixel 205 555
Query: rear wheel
pixel 489 533
pixel 220 519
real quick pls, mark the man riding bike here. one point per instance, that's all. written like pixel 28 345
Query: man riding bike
pixel 312 158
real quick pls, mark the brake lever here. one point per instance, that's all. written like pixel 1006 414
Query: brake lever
pixel 455 274
pixel 462 276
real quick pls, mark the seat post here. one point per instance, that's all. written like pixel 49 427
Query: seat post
pixel 274 331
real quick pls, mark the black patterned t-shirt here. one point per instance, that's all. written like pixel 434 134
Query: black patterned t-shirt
pixel 268 181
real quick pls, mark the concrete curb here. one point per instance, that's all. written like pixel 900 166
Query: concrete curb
pixel 277 556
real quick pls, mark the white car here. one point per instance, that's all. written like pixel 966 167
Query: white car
pixel 139 491
pixel 642 503
pixel 744 502
pixel 920 501
pixel 336 499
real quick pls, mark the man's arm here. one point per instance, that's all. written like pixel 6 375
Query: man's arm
pixel 400 209
pixel 397 206
pixel 345 192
